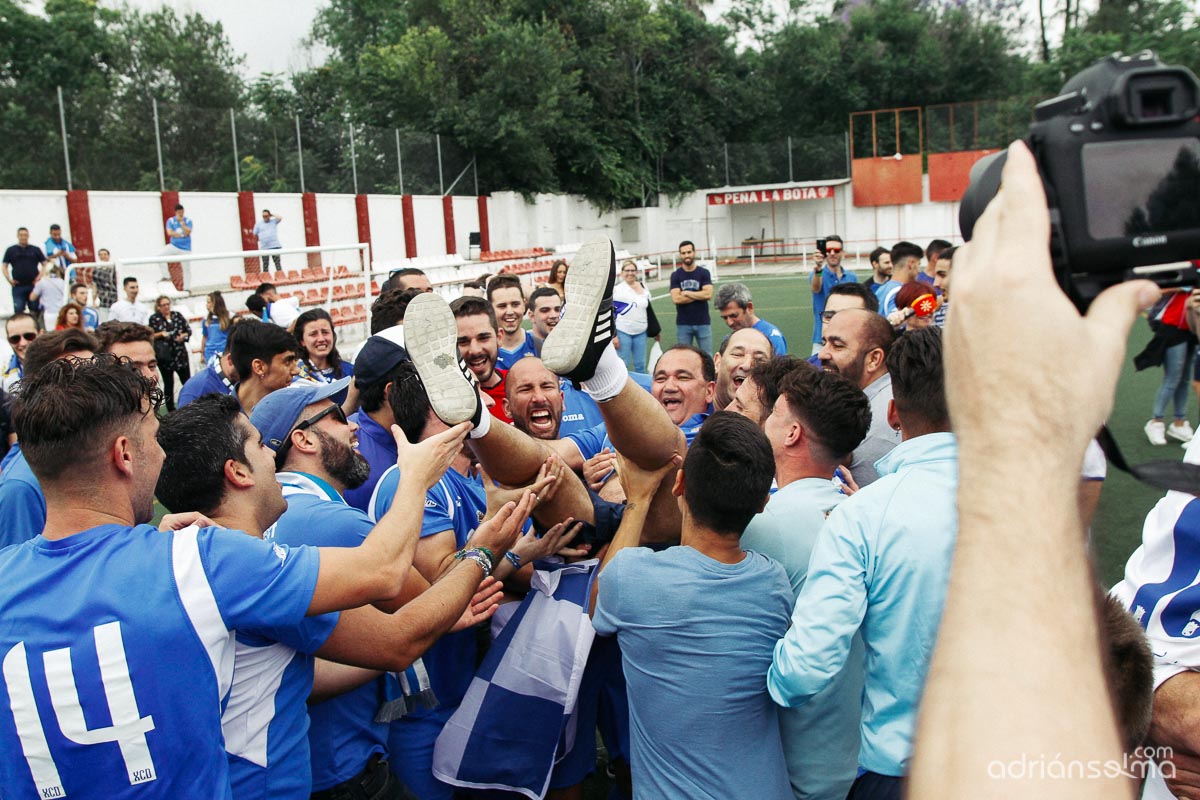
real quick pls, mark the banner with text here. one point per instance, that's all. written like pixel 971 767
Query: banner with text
pixel 771 195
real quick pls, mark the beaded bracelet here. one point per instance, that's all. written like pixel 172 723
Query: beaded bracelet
pixel 478 556
pixel 513 559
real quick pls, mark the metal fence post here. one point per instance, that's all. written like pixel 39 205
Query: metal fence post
pixel 399 162
pixel 846 149
pixel 237 164
pixel 62 121
pixel 162 183
pixel 299 151
pixel 727 183
pixel 790 178
pixel 353 157
pixel 441 185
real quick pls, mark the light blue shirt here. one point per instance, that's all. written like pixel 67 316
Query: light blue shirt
pixel 820 739
pixel 886 294
pixel 182 242
pixel 55 249
pixel 880 566
pixel 828 281
pixel 773 334
pixel 267 232
pixel 696 635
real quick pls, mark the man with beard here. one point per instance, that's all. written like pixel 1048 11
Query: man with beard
pixel 740 352
pixel 856 345
pixel 507 298
pixel 545 309
pixel 881 269
pixel 479 348
pixel 691 289
pixel 532 393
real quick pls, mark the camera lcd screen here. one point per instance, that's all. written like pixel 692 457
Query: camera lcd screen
pixel 1147 186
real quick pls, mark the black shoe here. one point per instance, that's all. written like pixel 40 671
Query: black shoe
pixel 431 338
pixel 586 329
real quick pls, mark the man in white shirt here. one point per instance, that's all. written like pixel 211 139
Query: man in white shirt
pixel 129 309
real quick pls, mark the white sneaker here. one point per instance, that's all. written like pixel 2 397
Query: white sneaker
pixel 1156 432
pixel 1182 432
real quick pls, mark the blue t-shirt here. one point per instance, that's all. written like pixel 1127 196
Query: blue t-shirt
pixel 455 503
pixel 506 358
pixel 91 318
pixel 22 503
pixel 209 380
pixel 378 447
pixel 214 338
pixel 696 639
pixel 342 733
pixel 182 242
pixel 778 343
pixel 695 312
pixel 267 233
pixel 579 410
pixel 887 296
pixel 53 249
pixel 272 679
pixel 158 610
pixel 828 281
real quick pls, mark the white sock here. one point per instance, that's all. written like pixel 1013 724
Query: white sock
pixel 485 424
pixel 609 380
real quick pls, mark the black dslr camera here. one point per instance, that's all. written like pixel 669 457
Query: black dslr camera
pixel 1119 155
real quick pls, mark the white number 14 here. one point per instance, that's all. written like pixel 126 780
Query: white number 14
pixel 128 729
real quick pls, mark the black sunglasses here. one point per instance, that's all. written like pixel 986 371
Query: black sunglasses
pixel 333 409
pixel 17 337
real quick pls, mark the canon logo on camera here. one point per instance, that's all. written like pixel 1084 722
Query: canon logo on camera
pixel 1149 241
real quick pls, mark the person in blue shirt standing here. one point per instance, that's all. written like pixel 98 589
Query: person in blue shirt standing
pixel 823 280
pixel 880 567
pixel 691 289
pixel 696 625
pixel 91 317
pixel 59 251
pixel 267 232
pixel 736 307
pixel 814 424
pixel 179 229
pixel 906 265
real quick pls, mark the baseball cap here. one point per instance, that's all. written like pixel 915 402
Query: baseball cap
pixel 277 413
pixel 379 356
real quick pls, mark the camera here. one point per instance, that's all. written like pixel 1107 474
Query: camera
pixel 1118 151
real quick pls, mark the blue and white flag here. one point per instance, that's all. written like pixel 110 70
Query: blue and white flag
pixel 517 719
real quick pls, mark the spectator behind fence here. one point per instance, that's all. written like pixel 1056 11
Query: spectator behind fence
pixel 69 316
pixel 50 293
pixel 691 289
pixel 736 307
pixel 632 322
pixel 91 317
pixel 217 321
pixel 267 233
pixel 58 250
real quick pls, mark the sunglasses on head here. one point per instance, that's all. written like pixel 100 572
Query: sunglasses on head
pixel 17 337
pixel 333 409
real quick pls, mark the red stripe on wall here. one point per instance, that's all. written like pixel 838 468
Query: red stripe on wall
pixel 79 217
pixel 363 215
pixel 312 231
pixel 448 216
pixel 485 238
pixel 246 221
pixel 410 227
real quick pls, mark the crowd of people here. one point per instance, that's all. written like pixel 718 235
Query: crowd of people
pixel 445 566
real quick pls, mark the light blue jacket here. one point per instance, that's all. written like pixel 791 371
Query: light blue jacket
pixel 881 564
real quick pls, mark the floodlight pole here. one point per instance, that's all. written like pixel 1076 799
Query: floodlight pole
pixel 299 151
pixel 62 120
pixel 162 184
pixel 237 166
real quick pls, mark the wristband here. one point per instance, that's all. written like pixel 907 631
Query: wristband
pixel 485 550
pixel 513 559
pixel 477 555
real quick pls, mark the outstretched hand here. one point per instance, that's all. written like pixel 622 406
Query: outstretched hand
pixel 429 459
pixel 499 532
pixel 482 606
pixel 543 487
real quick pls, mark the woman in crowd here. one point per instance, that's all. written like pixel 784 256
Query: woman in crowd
pixel 69 316
pixel 171 333
pixel 216 326
pixel 632 321
pixel 558 277
pixel 319 357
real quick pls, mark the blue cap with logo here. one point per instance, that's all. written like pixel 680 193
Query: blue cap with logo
pixel 279 412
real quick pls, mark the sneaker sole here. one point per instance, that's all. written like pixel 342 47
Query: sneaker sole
pixel 431 338
pixel 587 281
pixel 1178 438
